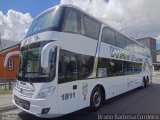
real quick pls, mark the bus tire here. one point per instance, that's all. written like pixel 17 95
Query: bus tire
pixel 96 98
pixel 147 81
pixel 143 84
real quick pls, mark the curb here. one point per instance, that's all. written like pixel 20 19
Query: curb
pixel 7 107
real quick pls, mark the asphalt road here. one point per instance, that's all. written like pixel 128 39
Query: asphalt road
pixel 138 101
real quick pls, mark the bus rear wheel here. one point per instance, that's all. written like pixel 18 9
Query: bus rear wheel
pixel 147 81
pixel 96 98
pixel 144 84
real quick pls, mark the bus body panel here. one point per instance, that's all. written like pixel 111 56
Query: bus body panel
pixel 68 97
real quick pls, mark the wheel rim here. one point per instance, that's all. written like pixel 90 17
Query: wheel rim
pixel 97 99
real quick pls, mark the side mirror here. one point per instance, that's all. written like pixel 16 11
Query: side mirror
pixel 9 55
pixel 45 53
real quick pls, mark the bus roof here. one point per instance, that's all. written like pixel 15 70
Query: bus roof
pixel 93 17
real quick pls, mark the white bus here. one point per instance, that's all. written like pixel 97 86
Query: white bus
pixel 69 60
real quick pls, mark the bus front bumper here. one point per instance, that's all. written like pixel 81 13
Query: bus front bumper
pixel 34 106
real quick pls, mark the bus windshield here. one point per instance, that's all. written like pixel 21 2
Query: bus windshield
pixel 30 64
pixel 46 21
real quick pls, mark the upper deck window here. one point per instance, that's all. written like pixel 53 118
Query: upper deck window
pixel 129 45
pixel 48 20
pixel 83 29
pixel 108 36
pixel 92 28
pixel 71 22
pixel 120 41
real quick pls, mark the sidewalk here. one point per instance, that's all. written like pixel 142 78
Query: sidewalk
pixel 6 103
pixel 156 73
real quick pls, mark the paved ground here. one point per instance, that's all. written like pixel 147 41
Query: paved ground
pixel 138 101
pixel 5 99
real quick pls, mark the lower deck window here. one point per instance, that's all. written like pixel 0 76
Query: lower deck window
pixel 73 66
pixel 108 68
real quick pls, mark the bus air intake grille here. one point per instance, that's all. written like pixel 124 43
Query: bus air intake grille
pixel 22 103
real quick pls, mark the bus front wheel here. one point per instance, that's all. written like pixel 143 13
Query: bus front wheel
pixel 96 98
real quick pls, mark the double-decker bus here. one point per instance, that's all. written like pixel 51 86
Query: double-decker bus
pixel 70 60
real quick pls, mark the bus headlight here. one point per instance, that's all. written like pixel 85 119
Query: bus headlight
pixel 46 92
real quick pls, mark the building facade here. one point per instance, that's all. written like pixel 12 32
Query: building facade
pixel 151 44
pixel 10 71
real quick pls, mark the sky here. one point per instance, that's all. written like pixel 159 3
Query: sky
pixel 33 7
pixel 134 18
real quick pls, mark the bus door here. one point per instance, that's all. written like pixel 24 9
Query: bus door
pixel 67 82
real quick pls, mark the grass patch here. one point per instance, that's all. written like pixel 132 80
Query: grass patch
pixel 3 92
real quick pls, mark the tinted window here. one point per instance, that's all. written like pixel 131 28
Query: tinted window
pixel 116 67
pixel 46 21
pixel 120 41
pixel 130 68
pixel 107 67
pixel 108 36
pixel 73 66
pixel 104 68
pixel 129 45
pixel 83 29
pixel 86 66
pixel 71 22
pixel 68 67
pixel 92 28
pixel 136 49
pixel 52 63
pixel 137 67
pixel 30 63
pixel 139 49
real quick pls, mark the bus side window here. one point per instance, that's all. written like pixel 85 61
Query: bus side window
pixel 102 68
pixel 71 22
pixel 83 28
pixel 108 36
pixel 130 68
pixel 92 28
pixel 120 41
pixel 108 68
pixel 67 70
pixel 118 70
pixel 129 45
pixel 52 63
pixel 86 66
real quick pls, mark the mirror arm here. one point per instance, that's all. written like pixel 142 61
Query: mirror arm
pixel 45 53
pixel 9 55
